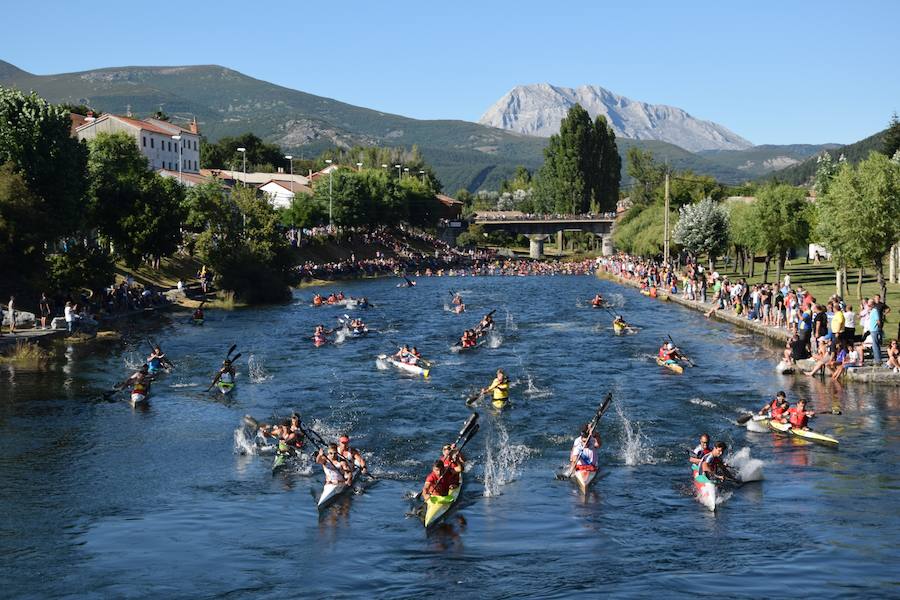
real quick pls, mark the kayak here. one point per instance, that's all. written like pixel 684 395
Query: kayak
pixel 358 332
pixel 758 424
pixel 671 365
pixel 331 492
pixel 414 369
pixel 279 462
pixel 804 434
pixel 197 321
pixel 225 386
pixel 438 506
pixel 583 478
pixel 138 398
pixel 704 489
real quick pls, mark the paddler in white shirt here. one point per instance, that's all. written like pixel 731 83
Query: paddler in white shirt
pixel 337 471
pixel 584 455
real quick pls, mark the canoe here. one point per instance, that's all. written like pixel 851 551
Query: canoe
pixel 671 365
pixel 704 489
pixel 436 507
pixel 804 434
pixel 331 492
pixel 414 369
pixel 584 479
pixel 138 398
pixel 225 386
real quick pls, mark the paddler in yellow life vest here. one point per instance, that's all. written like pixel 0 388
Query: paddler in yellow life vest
pixel 500 388
pixel 619 324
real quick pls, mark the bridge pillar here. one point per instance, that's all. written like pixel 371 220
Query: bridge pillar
pixel 559 241
pixel 606 245
pixel 536 246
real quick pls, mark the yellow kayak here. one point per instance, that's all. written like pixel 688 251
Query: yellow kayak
pixel 438 506
pixel 804 434
pixel 671 365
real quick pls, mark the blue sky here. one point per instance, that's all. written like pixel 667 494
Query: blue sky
pixel 773 72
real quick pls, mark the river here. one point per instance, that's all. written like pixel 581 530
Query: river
pixel 102 500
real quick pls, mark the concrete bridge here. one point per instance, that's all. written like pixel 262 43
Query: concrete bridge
pixel 538 228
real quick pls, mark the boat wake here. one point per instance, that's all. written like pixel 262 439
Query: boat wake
pixel 636 446
pixel 134 360
pixel 248 443
pixel 258 373
pixel 502 460
pixel 382 364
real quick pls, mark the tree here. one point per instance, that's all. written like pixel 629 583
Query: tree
pixel 224 155
pixel 35 139
pixel 891 143
pixel 641 231
pixel 743 233
pixel 783 224
pixel 702 228
pixel 577 166
pixel 647 174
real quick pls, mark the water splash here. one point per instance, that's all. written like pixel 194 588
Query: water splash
pixel 702 402
pixel 341 335
pixel 134 360
pixel 382 364
pixel 635 447
pixel 510 322
pixel 533 391
pixel 494 339
pixel 746 468
pixel 502 460
pixel 250 443
pixel 258 372
pixel 615 300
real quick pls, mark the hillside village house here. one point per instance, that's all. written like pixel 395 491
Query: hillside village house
pixel 279 192
pixel 154 139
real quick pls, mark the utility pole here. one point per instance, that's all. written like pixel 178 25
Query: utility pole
pixel 666 221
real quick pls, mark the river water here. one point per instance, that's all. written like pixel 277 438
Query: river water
pixel 101 500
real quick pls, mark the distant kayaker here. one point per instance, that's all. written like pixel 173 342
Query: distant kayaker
pixel 701 450
pixel 157 360
pixel 468 339
pixel 337 472
pixel 712 464
pixel 405 355
pixel 597 302
pixel 620 324
pixel 352 455
pixel 499 387
pixel 141 378
pixel 669 353
pixel 778 403
pixel 318 300
pixel 454 464
pixel 436 484
pixel 226 373
pixel 487 323
pixel 584 456
pixel 457 299
pixel 460 308
pixel 198 314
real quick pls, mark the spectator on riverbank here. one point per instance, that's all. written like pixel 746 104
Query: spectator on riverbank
pixel 11 311
pixel 44 310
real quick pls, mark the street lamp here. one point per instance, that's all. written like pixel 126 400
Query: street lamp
pixel 422 173
pixel 291 159
pixel 243 152
pixel 406 170
pixel 328 160
pixel 398 171
pixel 177 139
pixel 359 166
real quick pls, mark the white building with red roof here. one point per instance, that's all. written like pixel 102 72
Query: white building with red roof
pixel 156 140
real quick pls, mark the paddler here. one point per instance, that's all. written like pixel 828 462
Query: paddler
pixel 357 325
pixel 436 484
pixel 198 314
pixel 597 302
pixel 468 339
pixel 454 464
pixel 405 355
pixel 487 322
pixel 141 378
pixel 457 299
pixel 584 456
pixel 337 472
pixel 226 373
pixel 332 298
pixel 350 454
pixel 500 388
pixel 319 335
pixel 340 296
pixel 318 300
pixel 157 360
pixel 459 308
pixel 701 450
pixel 798 415
pixel 777 408
pixel 619 323
pixel 712 464
pixel 668 353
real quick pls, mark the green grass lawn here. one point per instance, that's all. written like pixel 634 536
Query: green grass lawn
pixel 819 279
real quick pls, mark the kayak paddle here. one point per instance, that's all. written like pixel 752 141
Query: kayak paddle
pixel 594 422
pixel 468 431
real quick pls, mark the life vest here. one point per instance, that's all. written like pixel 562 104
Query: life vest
pixel 451 476
pixel 139 388
pixel 798 417
pixel 439 484
pixel 776 411
pixel 332 474
pixel 501 388
pixel 714 463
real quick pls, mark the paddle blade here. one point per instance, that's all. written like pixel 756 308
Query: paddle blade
pixel 236 356
pixel 604 405
pixel 251 422
pixel 230 350
pixel 468 437
pixel 744 418
pixel 468 424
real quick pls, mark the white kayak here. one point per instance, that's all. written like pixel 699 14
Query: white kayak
pixel 584 478
pixel 785 368
pixel 331 492
pixel 414 369
pixel 758 424
pixel 138 398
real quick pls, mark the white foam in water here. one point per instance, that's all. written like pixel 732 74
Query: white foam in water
pixel 382 364
pixel 134 360
pixel 615 300
pixel 341 335
pixel 258 373
pixel 534 391
pixel 494 339
pixel 510 322
pixel 244 442
pixel 702 402
pixel 502 460
pixel 746 468
pixel 635 447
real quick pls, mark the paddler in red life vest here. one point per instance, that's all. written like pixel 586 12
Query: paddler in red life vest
pixel 668 352
pixel 584 456
pixel 198 314
pixel 317 300
pixel 701 450
pixel 773 405
pixel 340 296
pixel 336 470
pixel 331 298
pixel 799 416
pixel 454 464
pixel 468 338
pixel 353 456
pixel 777 409
pixel 712 464
pixel 597 302
pixel 436 484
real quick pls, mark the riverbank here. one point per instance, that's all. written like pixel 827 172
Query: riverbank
pixel 869 374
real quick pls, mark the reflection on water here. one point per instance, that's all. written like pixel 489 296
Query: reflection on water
pixel 181 496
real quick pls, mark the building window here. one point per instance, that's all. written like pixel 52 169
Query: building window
pixel 143 141
pixel 151 142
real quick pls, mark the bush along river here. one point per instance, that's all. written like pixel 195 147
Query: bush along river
pixel 177 499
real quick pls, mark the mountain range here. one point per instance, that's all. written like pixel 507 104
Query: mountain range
pixel 464 154
pixel 538 109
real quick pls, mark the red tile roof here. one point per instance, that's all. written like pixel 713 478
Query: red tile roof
pixel 447 200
